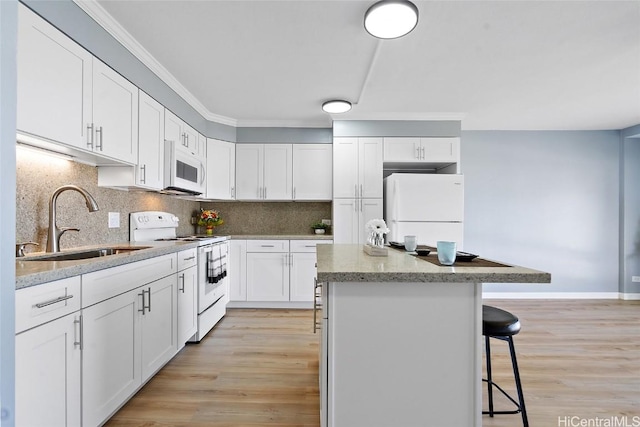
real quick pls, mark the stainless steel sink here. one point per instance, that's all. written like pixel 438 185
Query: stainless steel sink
pixel 87 254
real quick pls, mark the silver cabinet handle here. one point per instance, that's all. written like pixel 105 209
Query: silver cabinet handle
pixel 149 295
pixel 291 258
pixel 181 277
pixel 294 192
pixel 78 341
pixel 360 190
pixel 317 287
pixel 90 135
pixel 355 189
pixel 148 306
pixel 423 156
pixel 265 192
pixel 417 150
pixel 53 301
pixel 99 130
pixel 143 169
pixel 233 192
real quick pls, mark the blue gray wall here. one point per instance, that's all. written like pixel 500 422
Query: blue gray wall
pixel 630 213
pixel 373 128
pixel 284 135
pixel 547 200
pixel 8 28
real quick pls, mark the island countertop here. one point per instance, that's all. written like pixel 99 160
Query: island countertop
pixel 349 263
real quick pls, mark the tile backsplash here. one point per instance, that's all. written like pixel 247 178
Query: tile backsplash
pixel 38 176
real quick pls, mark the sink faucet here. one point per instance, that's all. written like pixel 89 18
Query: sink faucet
pixel 55 232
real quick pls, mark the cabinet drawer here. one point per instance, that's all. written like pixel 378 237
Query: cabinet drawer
pixel 36 305
pixel 267 246
pixel 187 258
pixel 307 245
pixel 101 285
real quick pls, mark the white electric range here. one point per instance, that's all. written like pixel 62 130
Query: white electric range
pixel 213 282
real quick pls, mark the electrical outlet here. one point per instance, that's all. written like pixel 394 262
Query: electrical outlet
pixel 635 278
pixel 114 219
pixel 326 221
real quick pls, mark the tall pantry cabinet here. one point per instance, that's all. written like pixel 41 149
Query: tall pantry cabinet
pixel 357 186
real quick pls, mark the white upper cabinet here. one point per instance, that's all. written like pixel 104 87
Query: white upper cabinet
pixel 115 114
pixel 202 146
pixel 422 150
pixel 221 170
pixel 278 171
pixel 54 83
pixel 264 171
pixel 176 130
pixel 357 167
pixel 312 171
pixel 67 96
pixel 149 172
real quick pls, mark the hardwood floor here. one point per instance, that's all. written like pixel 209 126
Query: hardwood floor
pixel 578 358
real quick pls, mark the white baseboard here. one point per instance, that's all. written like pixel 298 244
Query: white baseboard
pixel 269 304
pixel 558 295
pixel 629 297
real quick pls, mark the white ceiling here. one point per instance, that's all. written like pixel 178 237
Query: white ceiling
pixel 521 65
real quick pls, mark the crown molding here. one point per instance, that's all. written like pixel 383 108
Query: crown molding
pixel 106 21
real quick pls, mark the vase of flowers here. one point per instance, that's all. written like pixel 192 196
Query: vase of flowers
pixel 209 219
pixel 376 229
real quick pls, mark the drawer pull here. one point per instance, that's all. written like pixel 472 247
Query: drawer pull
pixel 189 258
pixel 53 301
pixel 267 246
pixel 309 246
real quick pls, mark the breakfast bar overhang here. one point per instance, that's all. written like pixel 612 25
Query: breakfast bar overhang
pixel 401 337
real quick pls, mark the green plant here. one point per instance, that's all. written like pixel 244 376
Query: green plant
pixel 319 226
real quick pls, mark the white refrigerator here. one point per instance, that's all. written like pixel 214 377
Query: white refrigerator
pixel 429 206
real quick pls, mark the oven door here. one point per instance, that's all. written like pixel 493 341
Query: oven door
pixel 212 274
pixel 184 173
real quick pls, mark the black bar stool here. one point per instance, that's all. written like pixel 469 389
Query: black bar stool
pixel 502 325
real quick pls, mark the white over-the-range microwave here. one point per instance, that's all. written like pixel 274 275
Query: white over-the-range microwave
pixel 184 172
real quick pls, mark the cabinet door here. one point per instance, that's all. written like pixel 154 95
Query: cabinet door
pixel 370 167
pixel 202 146
pixel 115 114
pixel 158 325
pixel 221 172
pixel 440 150
pixel 191 138
pixel 111 355
pixel 267 276
pixel 238 270
pixel 369 209
pixel 48 363
pixel 249 172
pixel 173 128
pixel 312 171
pixel 187 304
pixel 345 168
pixel 54 83
pixel 303 271
pixel 278 171
pixel 402 150
pixel 149 172
pixel 345 220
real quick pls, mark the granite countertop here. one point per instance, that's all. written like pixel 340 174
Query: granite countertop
pixel 281 237
pixel 30 273
pixel 349 263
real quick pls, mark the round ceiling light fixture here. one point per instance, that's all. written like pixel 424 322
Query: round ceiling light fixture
pixel 390 19
pixel 336 106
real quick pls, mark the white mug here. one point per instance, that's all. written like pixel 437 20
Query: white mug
pixel 410 243
pixel 446 252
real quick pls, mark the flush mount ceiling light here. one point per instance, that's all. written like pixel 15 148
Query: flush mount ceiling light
pixel 390 19
pixel 336 106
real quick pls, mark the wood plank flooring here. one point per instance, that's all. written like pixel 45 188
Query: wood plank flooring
pixel 578 358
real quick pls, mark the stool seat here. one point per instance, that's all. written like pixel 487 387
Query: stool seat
pixel 497 322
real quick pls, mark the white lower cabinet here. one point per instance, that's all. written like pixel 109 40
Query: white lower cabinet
pixel 126 340
pixel 267 276
pixel 48 361
pixel 187 295
pixel 273 271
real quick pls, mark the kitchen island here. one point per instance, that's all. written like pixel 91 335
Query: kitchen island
pixel 401 338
